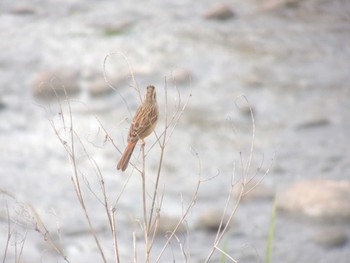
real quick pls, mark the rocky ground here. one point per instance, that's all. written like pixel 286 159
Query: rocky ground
pixel 290 60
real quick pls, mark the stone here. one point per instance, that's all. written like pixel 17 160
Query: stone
pixel 313 123
pixel 247 110
pixel 209 220
pixel 118 28
pixel 2 105
pixel 99 88
pixel 331 237
pixel 317 199
pixel 252 81
pixel 260 192
pixel 219 12
pixel 270 5
pixel 23 9
pixel 182 75
pixel 49 84
pixel 168 223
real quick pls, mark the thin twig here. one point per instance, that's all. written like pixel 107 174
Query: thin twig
pixel 161 155
pixel 262 177
pixel 8 233
pixel 245 172
pixel 144 204
pixel 226 255
pixel 132 77
pixel 189 207
pixel 22 245
pixel 114 235
pixel 41 228
pixel 167 124
pixel 134 245
pixel 70 148
pixel 252 141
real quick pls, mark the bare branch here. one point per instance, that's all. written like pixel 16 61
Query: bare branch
pixel 8 232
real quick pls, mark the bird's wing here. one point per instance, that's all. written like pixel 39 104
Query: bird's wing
pixel 142 121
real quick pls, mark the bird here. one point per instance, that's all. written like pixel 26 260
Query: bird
pixel 142 125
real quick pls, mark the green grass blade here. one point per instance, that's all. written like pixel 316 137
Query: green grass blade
pixel 271 233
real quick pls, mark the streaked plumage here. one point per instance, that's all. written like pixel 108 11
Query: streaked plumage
pixel 142 125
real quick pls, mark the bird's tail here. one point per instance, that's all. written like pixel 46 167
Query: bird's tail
pixel 124 160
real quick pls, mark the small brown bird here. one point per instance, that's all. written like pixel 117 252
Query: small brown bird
pixel 142 125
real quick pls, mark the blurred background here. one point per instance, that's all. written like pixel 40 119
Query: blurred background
pixel 288 58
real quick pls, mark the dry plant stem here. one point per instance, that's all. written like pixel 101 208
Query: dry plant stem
pixel 120 151
pixel 172 250
pixel 161 157
pixel 134 244
pixel 157 183
pixel 144 204
pixel 175 117
pixel 222 233
pixel 181 249
pixel 134 85
pixel 114 234
pixel 16 258
pixel 8 233
pixel 174 120
pixel 72 158
pixel 245 171
pixel 187 257
pixel 107 136
pixel 192 203
pixel 22 246
pixel 155 228
pixel 153 225
pixel 121 192
pixel 76 183
pixel 185 213
pixel 109 211
pixel 227 255
pixel 40 227
pixel 260 180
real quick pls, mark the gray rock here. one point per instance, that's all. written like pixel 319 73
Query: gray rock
pixel 246 110
pixel 2 105
pixel 209 220
pixel 168 223
pixel 48 84
pixel 165 225
pixel 271 5
pixel 313 123
pixel 118 28
pixel 331 237
pixel 318 199
pixel 254 193
pixel 23 9
pixel 182 75
pixel 99 88
pixel 219 12
pixel 253 79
